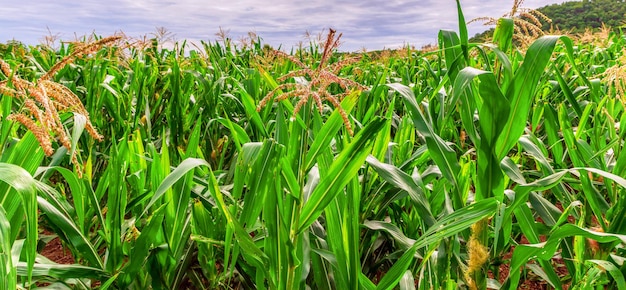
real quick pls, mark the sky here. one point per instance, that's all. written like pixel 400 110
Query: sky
pixel 365 24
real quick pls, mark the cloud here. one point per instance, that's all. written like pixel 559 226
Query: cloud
pixel 371 24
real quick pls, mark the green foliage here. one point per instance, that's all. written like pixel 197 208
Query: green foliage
pixel 575 17
pixel 463 160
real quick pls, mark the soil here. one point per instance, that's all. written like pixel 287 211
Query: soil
pixel 55 251
pixel 58 253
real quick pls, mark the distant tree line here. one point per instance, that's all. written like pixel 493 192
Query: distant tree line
pixel 576 16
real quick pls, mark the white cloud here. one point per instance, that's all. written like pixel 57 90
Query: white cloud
pixel 372 24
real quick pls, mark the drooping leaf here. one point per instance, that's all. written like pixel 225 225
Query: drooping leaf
pixel 341 171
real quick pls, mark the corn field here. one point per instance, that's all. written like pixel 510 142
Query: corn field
pixel 473 166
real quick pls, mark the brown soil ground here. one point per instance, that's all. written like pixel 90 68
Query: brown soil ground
pixel 55 251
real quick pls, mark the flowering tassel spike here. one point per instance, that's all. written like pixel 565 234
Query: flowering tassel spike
pixel 44 99
pixel 319 80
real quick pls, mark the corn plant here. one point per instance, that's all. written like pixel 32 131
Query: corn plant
pixel 474 165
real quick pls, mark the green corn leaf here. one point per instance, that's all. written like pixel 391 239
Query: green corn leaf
pixel 328 132
pixel 79 195
pixel 552 180
pixel 613 270
pixel 8 279
pixel 447 226
pixel 392 230
pixel 596 201
pixel 178 173
pixel 567 91
pixel 116 202
pixel 442 154
pixel 237 132
pixel 462 29
pixel 144 243
pixel 245 162
pixel 24 184
pixel 493 114
pixel 250 107
pixel 503 34
pixel 395 274
pixel 546 210
pixel 245 241
pixel 401 180
pixel 62 271
pixel 453 53
pixel 71 233
pixel 341 171
pixel 458 221
pixel 521 92
pixel 546 250
pixel 260 182
pixel 366 283
pixel 337 240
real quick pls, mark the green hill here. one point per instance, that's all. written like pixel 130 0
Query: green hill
pixel 576 16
